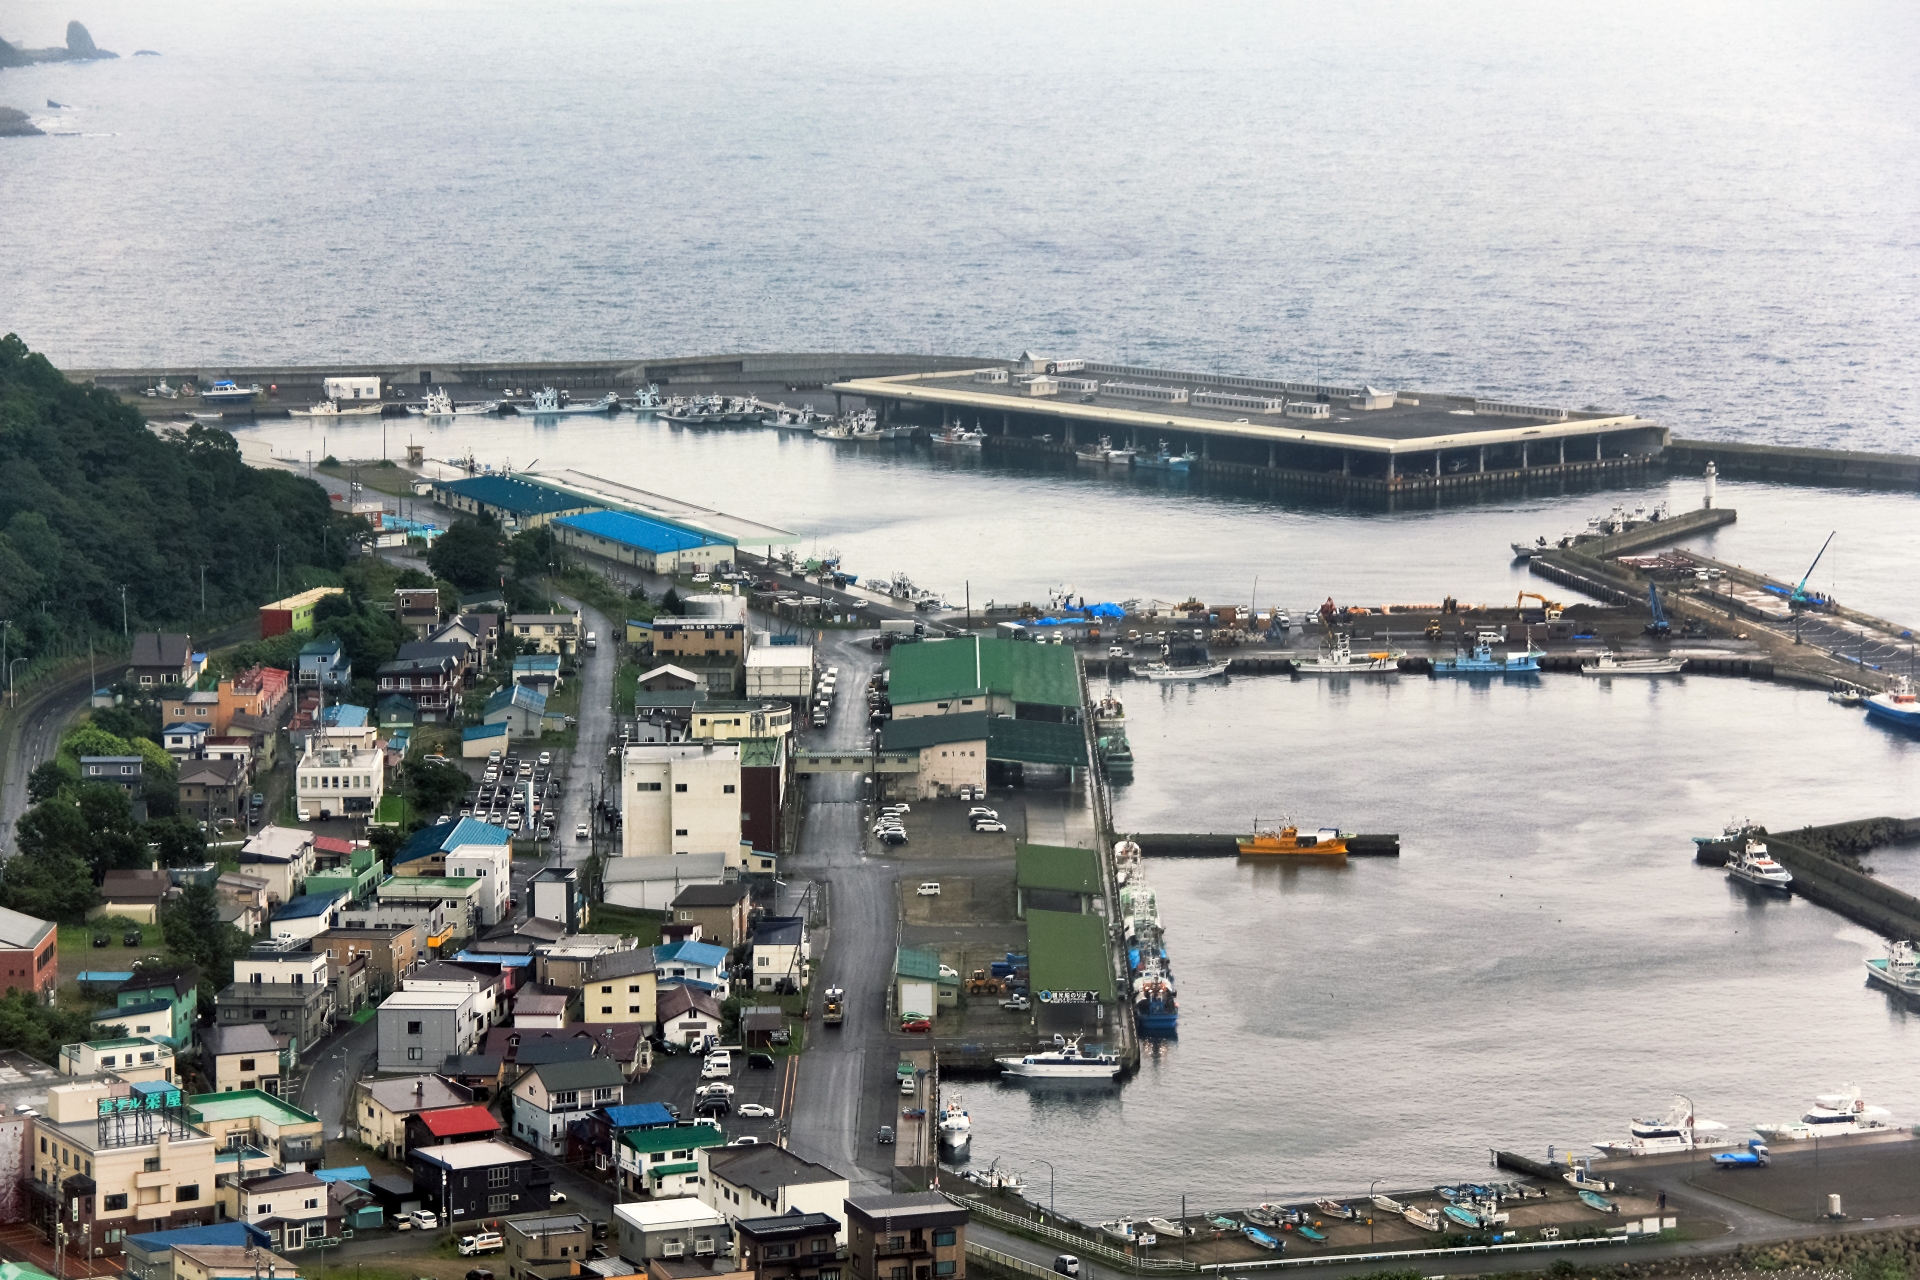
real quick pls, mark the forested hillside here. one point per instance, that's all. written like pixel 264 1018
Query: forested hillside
pixel 91 499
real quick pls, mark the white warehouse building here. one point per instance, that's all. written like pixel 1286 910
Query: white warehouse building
pixel 680 798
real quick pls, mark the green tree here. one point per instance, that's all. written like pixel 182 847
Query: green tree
pixel 196 935
pixel 130 720
pixel 46 780
pixel 670 603
pixel 532 550
pixel 468 554
pixel 435 786
pixel 52 886
pixel 178 842
pixel 54 828
pixel 91 740
pixel 40 1029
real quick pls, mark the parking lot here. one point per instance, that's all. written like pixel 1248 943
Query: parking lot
pixel 675 1078
pixel 519 792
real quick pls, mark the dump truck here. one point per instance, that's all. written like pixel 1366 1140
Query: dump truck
pixel 835 1011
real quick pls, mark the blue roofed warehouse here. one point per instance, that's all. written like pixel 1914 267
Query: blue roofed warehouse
pixel 653 545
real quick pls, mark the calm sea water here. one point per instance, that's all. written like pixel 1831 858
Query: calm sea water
pixel 1704 213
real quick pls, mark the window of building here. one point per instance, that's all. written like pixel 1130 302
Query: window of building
pixel 499 1204
pixel 246 1064
pixel 413 1028
pixel 116 1202
pixel 896 1243
pixel 944 1236
pixel 679 786
pixel 191 1192
pixel 680 831
pixel 650 786
pixel 151 1165
pixel 633 1008
pixel 415 1055
pixel 897 1273
pixel 821 1246
pixel 945 1268
pixel 499 1176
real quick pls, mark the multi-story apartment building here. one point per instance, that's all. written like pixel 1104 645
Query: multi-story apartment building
pixel 922 1236
pixel 680 797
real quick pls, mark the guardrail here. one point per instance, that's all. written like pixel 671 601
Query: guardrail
pixel 1342 1259
pixel 1081 1245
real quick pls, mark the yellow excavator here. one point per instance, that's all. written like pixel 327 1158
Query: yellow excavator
pixel 1552 608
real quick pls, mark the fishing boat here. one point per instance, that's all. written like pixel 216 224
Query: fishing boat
pixel 1731 837
pixel 1580 1177
pixel 647 401
pixel 954 1125
pixel 1165 460
pixel 1116 755
pixel 1754 865
pixel 1425 1219
pixel 1387 1204
pixel 1334 1209
pixel 161 391
pixel 1263 1216
pixel 1287 842
pixel 1162 1226
pixel 1899 968
pixel 1833 1115
pixel 1609 664
pixel 435 404
pixel 207 417
pixel 1065 1061
pixel 1594 1200
pixel 1164 674
pixel 227 392
pixel 322 409
pixel 1678 1130
pixel 1482 661
pixel 1156 1006
pixel 958 437
pixel 1260 1238
pixel 549 403
pixel 476 408
pixel 1101 453
pixel 1464 1216
pixel 1848 696
pixel 1898 705
pixel 1302 1229
pixel 1339 659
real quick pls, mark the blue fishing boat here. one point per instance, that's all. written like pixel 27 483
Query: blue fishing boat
pixel 1464 1216
pixel 1260 1237
pixel 1483 662
pixel 1156 1007
pixel 1165 460
pixel 1594 1200
pixel 1898 705
pixel 1310 1234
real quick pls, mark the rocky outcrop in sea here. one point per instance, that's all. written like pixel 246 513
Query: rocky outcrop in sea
pixel 80 48
pixel 15 124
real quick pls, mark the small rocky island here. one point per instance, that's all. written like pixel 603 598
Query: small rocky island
pixel 79 48
pixel 15 124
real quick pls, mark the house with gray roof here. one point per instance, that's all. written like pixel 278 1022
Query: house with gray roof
pixel 554 1094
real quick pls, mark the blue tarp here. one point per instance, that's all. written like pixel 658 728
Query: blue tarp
pixel 640 1115
pixel 357 1174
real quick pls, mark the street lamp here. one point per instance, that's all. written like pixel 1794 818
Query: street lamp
pixel 1370 1190
pixel 1049 1164
pixel 123 609
pixel 13 697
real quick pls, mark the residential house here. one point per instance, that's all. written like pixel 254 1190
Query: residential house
pixel 765 772
pixel 131 1058
pixel 670 1226
pixel 389 950
pixel 162 658
pixel 263 733
pixel 685 1269
pixel 541 1008
pixel 545 632
pixel 680 797
pixel 522 710
pixel 417 608
pixel 520 1050
pixel 183 740
pixel 194 1261
pixel 540 671
pixel 151 1256
pixel 246 892
pixel 554 894
pixel 253 1118
pixel 429 913
pixel 479 632
pixel 478 741
pixel 765 1181
pixel 664 1162
pixel 309 914
pixel 341 773
pixel 687 1015
pixel 476 1071
pixel 457 901
pixel 237 747
pixel 464 850
pixel 323 665
pixel 344 866
pixel 467 1181
pixel 419 1029
pixel 381 1108
pixel 29 953
pixel 546 1245
pixel 700 637
pixel 789 1246
pixel 193 706
pixel 137 895
pixel 474 980
pixel 449 1125
pixel 553 1094
pixel 624 1044
pixel 780 954
pixel 335 715
pixel 158 1003
pixel 283 988
pixel 150 1171
pixel 212 790
pixel 125 772
pixel 432 681
pixel 243 1055
pixel 921 1236
pixel 921 988
pixel 570 961
pixel 720 910
pixel 282 856
pixel 692 963
pixel 292 1208
pixel 621 987
pixel 260 692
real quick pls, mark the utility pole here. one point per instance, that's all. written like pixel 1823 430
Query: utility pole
pixel 203 588
pixel 123 610
pixel 276 568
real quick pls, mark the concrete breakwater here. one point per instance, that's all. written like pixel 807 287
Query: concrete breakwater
pixel 1794 465
pixel 1826 870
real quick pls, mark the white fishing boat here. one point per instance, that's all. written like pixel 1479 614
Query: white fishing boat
pixel 647 401
pixel 1833 1115
pixel 1425 1219
pixel 1339 659
pixel 548 403
pixel 955 1126
pixel 1898 969
pixel 1753 864
pixel 161 391
pixel 435 404
pixel 1609 664
pixel 1101 453
pixel 1678 1130
pixel 323 409
pixel 1065 1061
pixel 475 409
pixel 958 437
pixel 1168 1228
pixel 1387 1204
pixel 226 392
pixel 1164 674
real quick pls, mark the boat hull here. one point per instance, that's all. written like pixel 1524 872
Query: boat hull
pixel 1759 882
pixel 1057 1070
pixel 1904 715
pixel 1883 973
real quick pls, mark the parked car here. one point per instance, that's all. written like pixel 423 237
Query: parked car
pixel 424 1219
pixel 479 1273
pixel 1018 1004
pixel 893 837
pixel 917 1024
pixel 580 832
pixel 719 1063
pixel 988 825
pixel 929 889
pixel 720 1087
pixel 556 1197
pixel 131 938
pixel 981 811
pixel 714 1104
pixel 885 1137
pixel 759 1062
pixel 483 1242
pixel 745 1142
pixel 102 939
pixel 754 1111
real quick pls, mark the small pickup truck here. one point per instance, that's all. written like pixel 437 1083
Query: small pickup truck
pixel 1755 1156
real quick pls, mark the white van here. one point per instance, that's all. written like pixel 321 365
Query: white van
pixel 719 1063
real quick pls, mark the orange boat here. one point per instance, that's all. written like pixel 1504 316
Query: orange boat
pixel 1287 842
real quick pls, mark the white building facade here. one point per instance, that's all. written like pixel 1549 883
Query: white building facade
pixel 680 798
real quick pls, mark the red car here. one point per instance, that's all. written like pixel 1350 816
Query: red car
pixel 917 1024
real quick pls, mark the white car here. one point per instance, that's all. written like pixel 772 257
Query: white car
pixel 988 825
pixel 744 1142
pixel 719 1088
pixel 754 1111
pixel 718 1063
pixel 931 889
pixel 948 971
pixel 979 811
pixel 424 1219
pixel 896 808
pixel 556 1197
pixel 580 832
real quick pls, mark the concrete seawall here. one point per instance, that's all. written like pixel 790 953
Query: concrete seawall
pixel 1795 465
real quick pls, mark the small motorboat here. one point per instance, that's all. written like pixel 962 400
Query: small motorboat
pixel 1263 1216
pixel 1425 1219
pixel 1309 1233
pixel 1164 674
pixel 1899 968
pixel 1339 659
pixel 1609 664
pixel 1594 1200
pixel 1756 866
pixel 1261 1238
pixel 1165 1227
pixel 1387 1204
pixel 1581 1177
pixel 1334 1209
pixel 1462 1215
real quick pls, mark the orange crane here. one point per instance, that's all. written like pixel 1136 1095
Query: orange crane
pixel 1552 608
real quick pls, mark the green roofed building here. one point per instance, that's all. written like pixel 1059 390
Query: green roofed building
pixel 664 1161
pixel 1070 973
pixel 1005 677
pixel 974 749
pixel 1052 878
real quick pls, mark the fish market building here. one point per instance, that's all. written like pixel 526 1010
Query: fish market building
pixel 1070 972
pixel 654 546
pixel 1001 677
pixel 515 503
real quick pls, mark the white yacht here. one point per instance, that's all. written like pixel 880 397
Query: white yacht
pixel 1753 864
pixel 955 1127
pixel 1064 1061
pixel 1899 968
pixel 546 402
pixel 1833 1115
pixel 435 404
pixel 1339 659
pixel 1678 1130
pixel 1165 674
pixel 226 391
pixel 1610 665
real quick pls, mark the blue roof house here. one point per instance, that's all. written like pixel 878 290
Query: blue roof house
pixel 522 710
pixel 323 664
pixel 692 964
pixel 310 914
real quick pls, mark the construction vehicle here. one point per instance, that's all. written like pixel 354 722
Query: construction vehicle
pixel 980 984
pixel 1433 630
pixel 835 1011
pixel 1659 628
pixel 1550 609
pixel 1800 599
